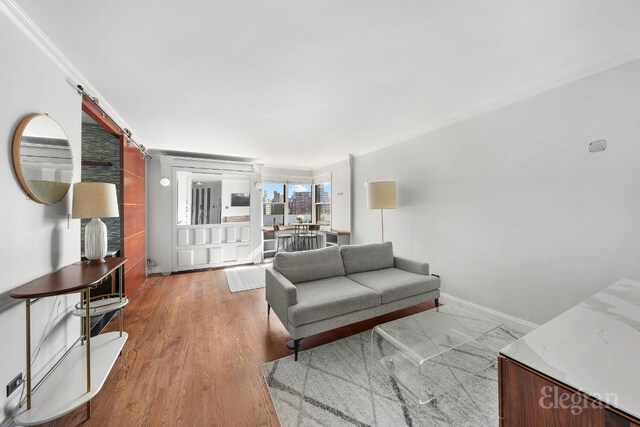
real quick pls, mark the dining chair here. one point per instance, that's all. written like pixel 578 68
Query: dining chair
pixel 311 237
pixel 299 232
pixel 284 241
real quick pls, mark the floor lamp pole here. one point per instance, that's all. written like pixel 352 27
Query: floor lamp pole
pixel 382 223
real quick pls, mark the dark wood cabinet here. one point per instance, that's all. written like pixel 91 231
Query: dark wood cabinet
pixel 530 399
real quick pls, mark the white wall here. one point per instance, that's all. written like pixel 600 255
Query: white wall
pixel 282 174
pixel 340 175
pixel 159 213
pixel 35 238
pixel 511 208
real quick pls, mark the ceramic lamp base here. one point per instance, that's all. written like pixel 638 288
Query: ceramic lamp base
pixel 95 240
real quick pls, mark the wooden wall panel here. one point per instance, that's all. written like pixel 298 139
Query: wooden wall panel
pixel 133 217
pixel 135 248
pixel 136 215
pixel 135 278
pixel 94 111
pixel 134 189
pixel 134 161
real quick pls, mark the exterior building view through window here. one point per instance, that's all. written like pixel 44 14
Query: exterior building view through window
pixel 273 195
pixel 283 204
pixel 299 202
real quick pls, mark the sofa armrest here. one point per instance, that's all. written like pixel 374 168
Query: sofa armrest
pixel 411 266
pixel 280 293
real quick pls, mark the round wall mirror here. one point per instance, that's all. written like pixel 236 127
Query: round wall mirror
pixel 42 158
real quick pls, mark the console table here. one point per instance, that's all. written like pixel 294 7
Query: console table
pixel 579 369
pixel 81 371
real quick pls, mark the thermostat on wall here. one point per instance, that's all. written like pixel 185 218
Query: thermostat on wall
pixel 597 146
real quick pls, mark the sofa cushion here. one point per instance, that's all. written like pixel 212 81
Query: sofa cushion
pixel 309 265
pixel 395 284
pixel 327 298
pixel 357 258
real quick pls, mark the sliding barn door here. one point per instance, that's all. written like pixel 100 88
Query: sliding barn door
pixel 132 211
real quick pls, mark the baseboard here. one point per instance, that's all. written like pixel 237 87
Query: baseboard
pixel 154 270
pixel 512 322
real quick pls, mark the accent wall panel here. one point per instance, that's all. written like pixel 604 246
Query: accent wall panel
pixel 201 235
pixel 183 237
pixel 185 258
pixel 133 207
pixel 136 219
pixel 216 235
pixel 215 255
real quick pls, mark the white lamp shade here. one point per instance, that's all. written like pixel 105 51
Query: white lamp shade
pixel 381 195
pixel 94 200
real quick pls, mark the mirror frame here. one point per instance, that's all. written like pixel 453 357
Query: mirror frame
pixel 17 167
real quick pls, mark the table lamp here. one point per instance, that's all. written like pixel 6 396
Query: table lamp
pixel 381 195
pixel 95 200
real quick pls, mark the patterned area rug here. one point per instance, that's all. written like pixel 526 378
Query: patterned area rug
pixel 338 384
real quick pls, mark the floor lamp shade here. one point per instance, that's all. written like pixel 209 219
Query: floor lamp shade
pixel 95 200
pixel 381 195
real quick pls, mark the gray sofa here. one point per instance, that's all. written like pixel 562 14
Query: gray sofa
pixel 319 290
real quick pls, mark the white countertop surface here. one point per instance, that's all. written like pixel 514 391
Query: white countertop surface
pixel 594 347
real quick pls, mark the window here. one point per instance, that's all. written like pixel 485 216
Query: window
pixel 273 196
pixel 299 201
pixel 283 203
pixel 322 203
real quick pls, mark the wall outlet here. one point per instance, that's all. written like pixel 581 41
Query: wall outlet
pixel 14 384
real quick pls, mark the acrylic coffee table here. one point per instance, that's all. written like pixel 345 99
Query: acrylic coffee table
pixel 431 352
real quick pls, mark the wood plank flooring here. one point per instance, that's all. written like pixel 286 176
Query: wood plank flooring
pixel 193 356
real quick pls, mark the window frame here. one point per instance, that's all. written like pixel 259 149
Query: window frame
pixel 316 203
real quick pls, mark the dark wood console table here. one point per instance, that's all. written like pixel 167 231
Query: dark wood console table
pixel 579 369
pixel 73 380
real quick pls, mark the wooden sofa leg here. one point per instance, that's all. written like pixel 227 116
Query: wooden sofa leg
pixel 268 309
pixel 437 301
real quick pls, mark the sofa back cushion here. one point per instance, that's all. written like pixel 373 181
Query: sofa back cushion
pixel 305 266
pixel 358 258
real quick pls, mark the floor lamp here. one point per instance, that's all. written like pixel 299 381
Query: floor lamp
pixel 381 195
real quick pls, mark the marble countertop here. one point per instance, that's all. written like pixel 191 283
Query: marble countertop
pixel 594 347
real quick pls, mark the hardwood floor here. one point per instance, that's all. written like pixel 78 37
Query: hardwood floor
pixel 193 356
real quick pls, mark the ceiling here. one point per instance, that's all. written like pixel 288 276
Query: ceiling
pixel 305 83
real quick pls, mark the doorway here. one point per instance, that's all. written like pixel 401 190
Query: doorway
pixel 101 163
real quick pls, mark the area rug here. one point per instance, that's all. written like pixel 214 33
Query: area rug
pixel 245 278
pixel 338 384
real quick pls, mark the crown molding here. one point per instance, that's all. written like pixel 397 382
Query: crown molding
pixel 18 17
